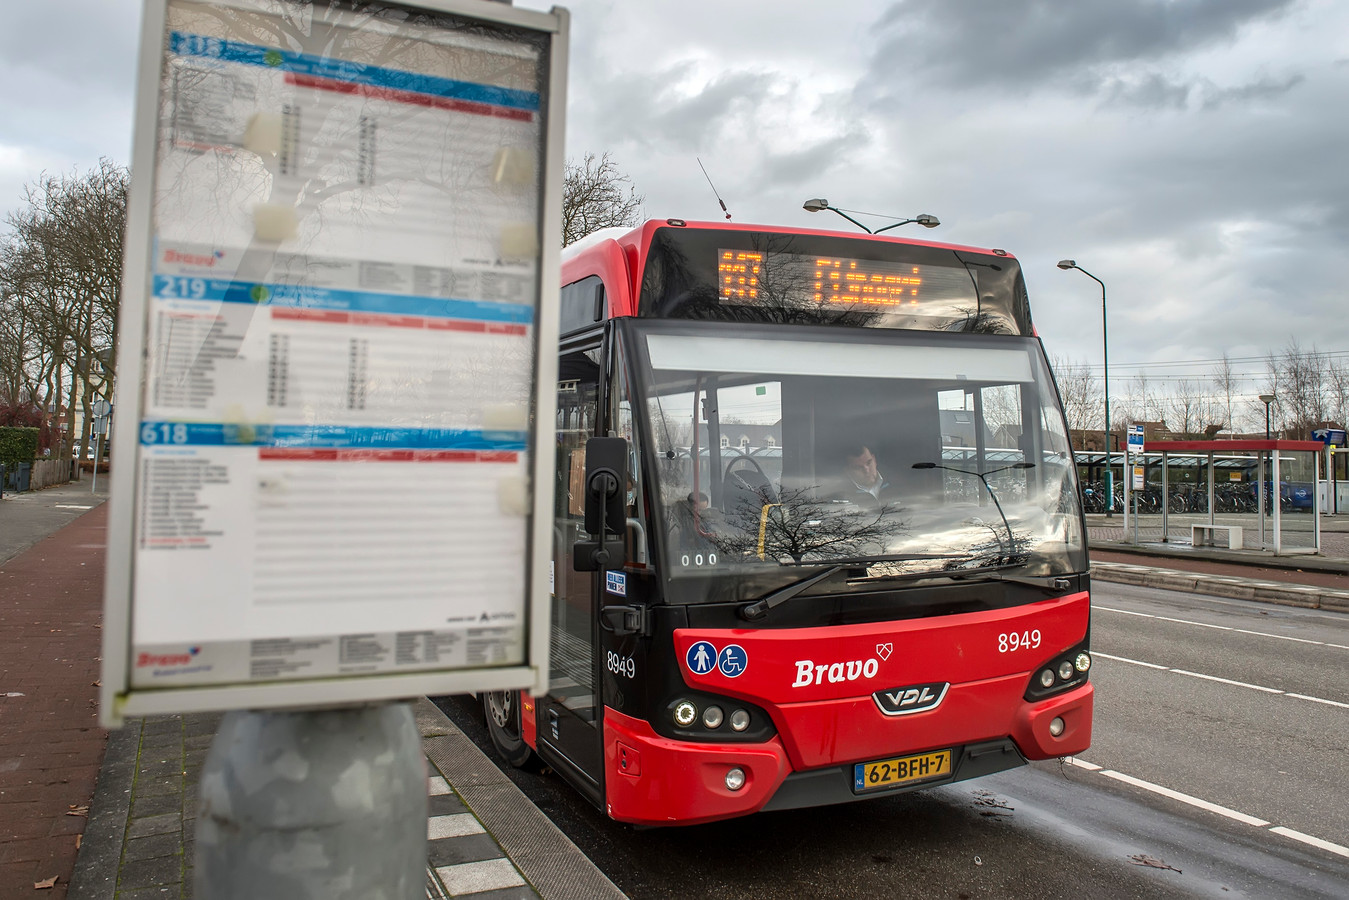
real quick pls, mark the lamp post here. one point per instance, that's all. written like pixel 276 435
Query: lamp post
pixel 1267 399
pixel 924 219
pixel 1105 368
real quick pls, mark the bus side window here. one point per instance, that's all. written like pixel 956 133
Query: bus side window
pixel 622 424
pixel 582 304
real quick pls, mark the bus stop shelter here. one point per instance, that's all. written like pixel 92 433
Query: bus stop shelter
pixel 1239 495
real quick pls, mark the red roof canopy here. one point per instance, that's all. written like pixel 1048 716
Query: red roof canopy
pixel 1219 446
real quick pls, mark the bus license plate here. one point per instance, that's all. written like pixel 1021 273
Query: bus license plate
pixel 905 770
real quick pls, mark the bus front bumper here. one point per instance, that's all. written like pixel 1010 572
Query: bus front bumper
pixel 654 780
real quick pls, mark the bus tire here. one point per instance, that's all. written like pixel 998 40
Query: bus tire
pixel 501 709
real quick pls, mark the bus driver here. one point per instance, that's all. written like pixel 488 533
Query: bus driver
pixel 863 482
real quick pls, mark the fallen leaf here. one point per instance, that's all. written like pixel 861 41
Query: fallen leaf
pixel 79 839
pixel 1142 859
pixel 78 811
pixel 45 883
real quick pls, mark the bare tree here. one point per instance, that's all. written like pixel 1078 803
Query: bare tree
pixel 1298 381
pixel 595 195
pixel 1080 392
pixel 1226 381
pixel 1191 411
pixel 60 289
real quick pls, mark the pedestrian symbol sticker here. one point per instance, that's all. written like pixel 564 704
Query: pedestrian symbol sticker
pixel 701 657
pixel 733 661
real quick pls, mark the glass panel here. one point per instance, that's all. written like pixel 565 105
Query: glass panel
pixel 571 670
pixel 933 449
pixel 790 278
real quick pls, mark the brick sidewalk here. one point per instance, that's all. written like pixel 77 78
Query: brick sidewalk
pixel 51 746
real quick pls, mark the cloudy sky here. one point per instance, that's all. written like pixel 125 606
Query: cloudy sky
pixel 1190 153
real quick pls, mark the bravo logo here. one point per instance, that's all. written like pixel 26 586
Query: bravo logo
pixel 809 672
pixel 166 659
pixel 192 259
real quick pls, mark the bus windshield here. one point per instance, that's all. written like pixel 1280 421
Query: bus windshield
pixel 905 452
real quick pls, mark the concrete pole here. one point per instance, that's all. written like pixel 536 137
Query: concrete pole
pixel 314 805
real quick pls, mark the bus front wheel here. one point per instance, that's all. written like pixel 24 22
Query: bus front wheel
pixel 502 711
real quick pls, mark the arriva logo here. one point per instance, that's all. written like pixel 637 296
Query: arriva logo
pixel 193 259
pixel 166 659
pixel 808 672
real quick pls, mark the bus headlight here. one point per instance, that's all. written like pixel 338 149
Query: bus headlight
pixel 739 720
pixel 1047 678
pixel 684 713
pixel 735 779
pixel 712 717
pixel 1083 662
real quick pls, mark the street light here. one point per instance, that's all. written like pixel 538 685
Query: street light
pixel 1267 399
pixel 1105 360
pixel 924 219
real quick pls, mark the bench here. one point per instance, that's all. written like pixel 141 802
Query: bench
pixel 1207 535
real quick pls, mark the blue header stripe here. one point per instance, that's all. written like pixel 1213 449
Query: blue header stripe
pixel 185 44
pixel 219 290
pixel 220 434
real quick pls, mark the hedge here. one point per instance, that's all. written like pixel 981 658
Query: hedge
pixel 18 445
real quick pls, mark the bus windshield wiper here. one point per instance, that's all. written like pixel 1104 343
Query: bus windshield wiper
pixel 759 608
pixel 1001 573
pixel 983 477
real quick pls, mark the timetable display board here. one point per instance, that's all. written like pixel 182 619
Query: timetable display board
pixel 341 269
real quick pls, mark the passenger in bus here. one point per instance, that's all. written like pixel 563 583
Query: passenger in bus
pixel 695 524
pixel 862 482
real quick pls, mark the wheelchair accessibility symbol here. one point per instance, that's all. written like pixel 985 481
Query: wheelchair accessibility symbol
pixel 733 660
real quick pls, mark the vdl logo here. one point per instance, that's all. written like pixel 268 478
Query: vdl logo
pixel 914 698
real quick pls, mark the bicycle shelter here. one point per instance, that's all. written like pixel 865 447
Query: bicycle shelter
pixel 1238 494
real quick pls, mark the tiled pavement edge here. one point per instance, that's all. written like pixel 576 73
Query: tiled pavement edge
pixel 486 840
pixel 544 856
pixel 1237 587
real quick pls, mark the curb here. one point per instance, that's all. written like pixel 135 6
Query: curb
pixel 1303 596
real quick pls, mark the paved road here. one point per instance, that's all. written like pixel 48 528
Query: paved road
pixel 1122 822
pixel 27 518
pixel 1268 739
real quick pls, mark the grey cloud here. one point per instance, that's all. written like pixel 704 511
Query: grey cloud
pixel 809 164
pixel 1009 43
pixel 1264 89
pixel 1156 91
pixel 1153 91
pixel 650 111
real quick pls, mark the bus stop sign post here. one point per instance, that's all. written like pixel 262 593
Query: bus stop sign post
pixel 1135 481
pixel 333 318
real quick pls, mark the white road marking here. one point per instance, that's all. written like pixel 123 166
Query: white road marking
pixel 1185 798
pixel 1321 700
pixel 1308 839
pixel 1254 687
pixel 68 506
pixel 1278 637
pixel 1317 842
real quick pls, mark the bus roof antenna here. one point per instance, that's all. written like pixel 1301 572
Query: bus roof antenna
pixel 714 188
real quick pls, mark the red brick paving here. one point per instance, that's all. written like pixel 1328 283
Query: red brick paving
pixel 51 747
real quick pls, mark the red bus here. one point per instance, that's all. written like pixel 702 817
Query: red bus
pixel 817 532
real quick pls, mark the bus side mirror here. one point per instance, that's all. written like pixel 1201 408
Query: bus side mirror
pixel 606 485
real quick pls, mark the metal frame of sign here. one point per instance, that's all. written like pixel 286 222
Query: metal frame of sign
pixel 119 696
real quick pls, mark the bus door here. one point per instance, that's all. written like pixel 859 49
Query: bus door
pixel 568 718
